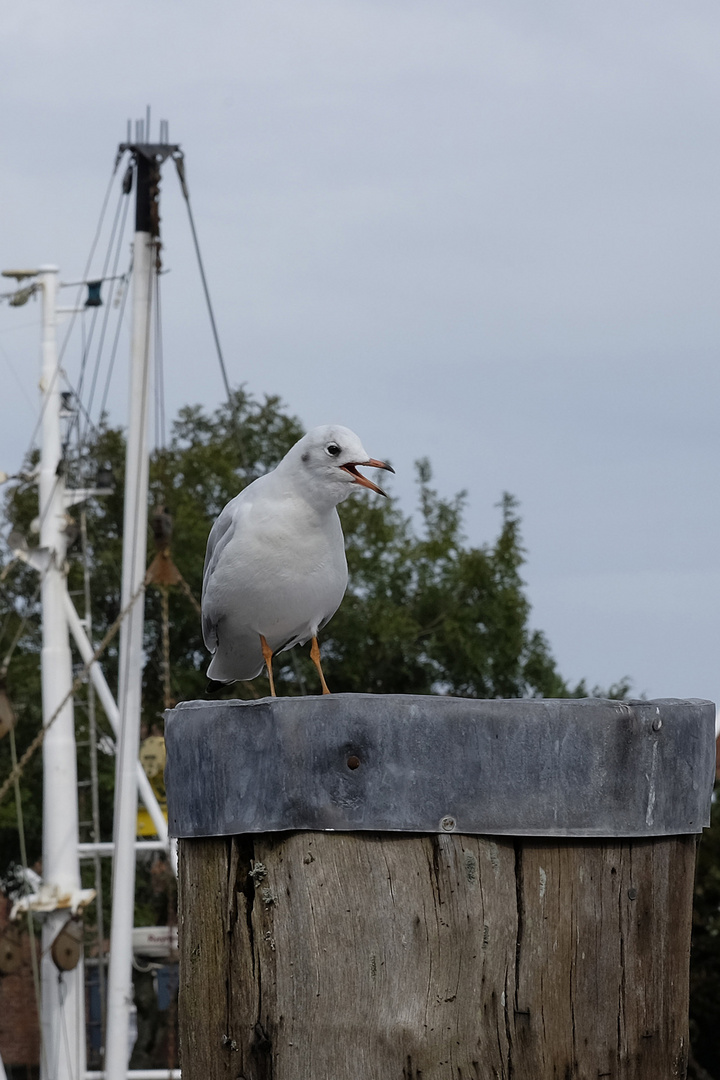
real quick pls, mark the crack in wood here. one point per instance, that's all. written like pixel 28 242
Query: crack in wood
pixel 391 960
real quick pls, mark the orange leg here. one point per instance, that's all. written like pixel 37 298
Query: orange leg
pixel 315 657
pixel 267 656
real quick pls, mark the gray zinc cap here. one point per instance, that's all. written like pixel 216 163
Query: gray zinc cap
pixel 405 763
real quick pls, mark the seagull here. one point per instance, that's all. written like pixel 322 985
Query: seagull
pixel 275 569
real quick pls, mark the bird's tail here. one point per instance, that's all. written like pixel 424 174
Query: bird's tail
pixel 214 685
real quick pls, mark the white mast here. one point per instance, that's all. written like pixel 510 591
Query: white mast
pixel 148 158
pixel 120 992
pixel 63 999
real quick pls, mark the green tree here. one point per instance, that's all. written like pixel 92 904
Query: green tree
pixel 705 956
pixel 425 611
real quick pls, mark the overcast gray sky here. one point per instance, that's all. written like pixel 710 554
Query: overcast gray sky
pixel 485 232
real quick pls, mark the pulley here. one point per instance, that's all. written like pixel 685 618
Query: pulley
pixel 67 946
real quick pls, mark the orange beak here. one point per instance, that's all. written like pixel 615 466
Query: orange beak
pixel 358 478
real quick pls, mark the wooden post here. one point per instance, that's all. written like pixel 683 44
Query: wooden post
pixel 436 889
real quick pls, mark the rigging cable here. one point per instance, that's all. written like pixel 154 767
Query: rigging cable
pixel 94 787
pixel 18 770
pixel 18 380
pixel 179 160
pixel 159 372
pixel 85 352
pixel 24 862
pixel 118 159
pixel 78 393
pixel 108 254
pixel 41 412
pixel 108 305
pixel 21 628
pixel 118 328
pixel 89 422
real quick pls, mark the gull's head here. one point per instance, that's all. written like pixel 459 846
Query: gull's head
pixel 326 462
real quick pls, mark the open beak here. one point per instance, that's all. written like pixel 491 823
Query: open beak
pixel 352 466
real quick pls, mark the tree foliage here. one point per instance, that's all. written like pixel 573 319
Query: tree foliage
pixel 425 611
pixel 705 957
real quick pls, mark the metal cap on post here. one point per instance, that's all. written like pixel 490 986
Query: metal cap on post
pixel 432 764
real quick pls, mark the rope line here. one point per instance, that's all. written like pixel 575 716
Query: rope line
pixel 167 694
pixel 56 373
pixel 21 628
pixel 118 159
pixel 159 371
pixel 180 166
pixel 108 304
pixel 18 769
pixel 186 589
pixel 24 862
pixel 118 328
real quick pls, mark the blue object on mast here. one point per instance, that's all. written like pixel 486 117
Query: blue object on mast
pixel 93 297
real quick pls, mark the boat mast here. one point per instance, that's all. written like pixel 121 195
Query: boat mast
pixel 148 158
pixel 63 1001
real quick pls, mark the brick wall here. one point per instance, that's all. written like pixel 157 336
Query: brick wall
pixel 19 1032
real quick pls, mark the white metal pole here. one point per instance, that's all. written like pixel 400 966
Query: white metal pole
pixel 63 998
pixel 119 995
pixel 107 701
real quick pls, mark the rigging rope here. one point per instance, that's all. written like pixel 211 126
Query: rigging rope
pixel 108 304
pixel 159 371
pixel 118 328
pixel 186 589
pixel 56 373
pixel 180 166
pixel 24 862
pixel 23 623
pixel 165 605
pixel 18 770
pixel 118 159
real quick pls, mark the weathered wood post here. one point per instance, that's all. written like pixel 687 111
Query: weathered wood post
pixel 377 887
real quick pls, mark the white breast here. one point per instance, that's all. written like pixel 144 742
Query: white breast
pixel 281 573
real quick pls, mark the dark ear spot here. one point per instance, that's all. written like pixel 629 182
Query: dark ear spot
pixel 305 457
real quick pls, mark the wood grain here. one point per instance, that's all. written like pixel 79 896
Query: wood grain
pixel 359 956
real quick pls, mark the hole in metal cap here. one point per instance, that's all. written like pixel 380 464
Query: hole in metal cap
pixel 353 762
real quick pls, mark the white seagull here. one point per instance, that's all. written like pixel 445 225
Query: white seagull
pixel 275 569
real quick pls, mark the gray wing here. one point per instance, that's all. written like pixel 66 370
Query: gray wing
pixel 220 536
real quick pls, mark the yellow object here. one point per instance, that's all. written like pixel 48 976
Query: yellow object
pixel 145 825
pixel 152 759
pixel 152 756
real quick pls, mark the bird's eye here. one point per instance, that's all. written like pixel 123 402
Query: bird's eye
pixel 333 449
